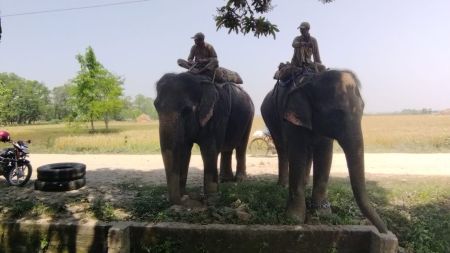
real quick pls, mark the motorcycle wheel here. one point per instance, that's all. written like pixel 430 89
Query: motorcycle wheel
pixel 20 175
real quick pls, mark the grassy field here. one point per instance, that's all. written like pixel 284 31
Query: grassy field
pixel 391 133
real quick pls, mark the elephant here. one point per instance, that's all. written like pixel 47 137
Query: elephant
pixel 304 114
pixel 217 117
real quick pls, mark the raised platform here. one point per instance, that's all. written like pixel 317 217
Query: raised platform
pixel 122 237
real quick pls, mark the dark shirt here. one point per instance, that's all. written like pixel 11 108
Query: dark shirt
pixel 304 48
pixel 205 52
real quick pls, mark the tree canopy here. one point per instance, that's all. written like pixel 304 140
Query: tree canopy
pixel 247 16
pixel 96 91
pixel 22 101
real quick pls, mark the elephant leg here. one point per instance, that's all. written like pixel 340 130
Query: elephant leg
pixel 210 179
pixel 283 159
pixel 241 170
pixel 226 172
pixel 172 177
pixel 300 155
pixel 184 170
pixel 283 168
pixel 353 145
pixel 322 156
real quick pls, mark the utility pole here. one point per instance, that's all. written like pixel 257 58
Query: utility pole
pixel 0 28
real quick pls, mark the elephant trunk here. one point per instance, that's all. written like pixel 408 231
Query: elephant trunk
pixel 176 156
pixel 353 146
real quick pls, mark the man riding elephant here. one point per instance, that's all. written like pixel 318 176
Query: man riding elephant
pixel 202 60
pixel 202 57
pixel 306 47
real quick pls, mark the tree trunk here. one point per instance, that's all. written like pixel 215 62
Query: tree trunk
pixel 92 124
pixel 106 119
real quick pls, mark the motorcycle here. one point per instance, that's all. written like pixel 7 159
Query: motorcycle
pixel 14 165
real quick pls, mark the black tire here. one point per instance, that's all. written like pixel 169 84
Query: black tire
pixel 61 172
pixel 20 175
pixel 59 186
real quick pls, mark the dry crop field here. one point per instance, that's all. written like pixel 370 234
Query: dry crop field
pixel 382 133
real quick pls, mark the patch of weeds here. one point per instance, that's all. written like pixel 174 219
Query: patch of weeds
pixel 343 206
pixel 20 208
pixel 265 200
pixel 150 203
pixel 421 228
pixel 103 210
pixel 40 209
pixel 44 243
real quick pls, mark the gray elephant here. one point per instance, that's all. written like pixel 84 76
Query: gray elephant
pixel 218 118
pixel 304 118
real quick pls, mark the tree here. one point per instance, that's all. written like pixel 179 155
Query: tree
pixel 247 16
pixel 137 106
pixel 128 110
pixel 60 100
pixel 96 92
pixel 108 103
pixel 145 105
pixel 22 101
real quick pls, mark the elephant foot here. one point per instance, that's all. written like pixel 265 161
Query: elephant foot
pixel 240 176
pixel 173 200
pixel 188 202
pixel 283 183
pixel 211 188
pixel 226 178
pixel 212 199
pixel 283 180
pixel 296 213
pixel 321 207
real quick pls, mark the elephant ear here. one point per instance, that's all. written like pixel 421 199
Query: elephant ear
pixel 298 109
pixel 207 102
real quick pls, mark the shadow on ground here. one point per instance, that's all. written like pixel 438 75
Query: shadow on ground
pixel 417 211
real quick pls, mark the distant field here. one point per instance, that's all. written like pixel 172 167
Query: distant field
pixel 391 133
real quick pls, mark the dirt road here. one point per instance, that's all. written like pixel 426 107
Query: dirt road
pixel 150 168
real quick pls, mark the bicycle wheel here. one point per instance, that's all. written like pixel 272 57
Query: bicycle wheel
pixel 258 147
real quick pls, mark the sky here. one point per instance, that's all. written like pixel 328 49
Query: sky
pixel 399 49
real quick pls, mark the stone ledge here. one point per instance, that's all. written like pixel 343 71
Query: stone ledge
pixel 123 237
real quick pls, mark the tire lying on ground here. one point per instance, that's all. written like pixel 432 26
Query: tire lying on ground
pixel 60 177
pixel 61 171
pixel 55 186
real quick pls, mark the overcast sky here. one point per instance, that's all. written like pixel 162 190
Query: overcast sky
pixel 399 49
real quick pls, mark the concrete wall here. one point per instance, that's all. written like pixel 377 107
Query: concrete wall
pixel 30 237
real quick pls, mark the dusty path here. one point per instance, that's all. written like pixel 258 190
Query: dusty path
pixel 150 168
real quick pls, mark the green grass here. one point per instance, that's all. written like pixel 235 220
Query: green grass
pixel 416 209
pixel 103 210
pixel 392 133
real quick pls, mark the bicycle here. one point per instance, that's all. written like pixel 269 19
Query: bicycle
pixel 262 144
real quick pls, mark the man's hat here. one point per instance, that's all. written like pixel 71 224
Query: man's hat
pixel 304 25
pixel 199 36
